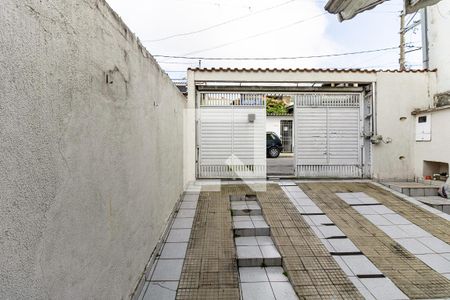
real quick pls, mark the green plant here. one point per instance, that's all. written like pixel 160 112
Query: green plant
pixel 275 106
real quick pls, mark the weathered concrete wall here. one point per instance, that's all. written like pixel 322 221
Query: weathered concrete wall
pixel 439 43
pixel 438 149
pixel 397 95
pixel 91 151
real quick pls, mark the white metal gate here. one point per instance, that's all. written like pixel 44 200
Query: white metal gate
pixel 328 141
pixel 231 135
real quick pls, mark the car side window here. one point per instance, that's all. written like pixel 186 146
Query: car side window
pixel 269 137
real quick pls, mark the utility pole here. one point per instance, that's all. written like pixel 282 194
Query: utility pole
pixel 402 41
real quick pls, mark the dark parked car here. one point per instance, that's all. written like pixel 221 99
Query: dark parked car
pixel 273 145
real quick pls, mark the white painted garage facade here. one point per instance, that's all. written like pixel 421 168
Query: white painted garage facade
pixel 328 135
pixel 231 135
pixel 335 121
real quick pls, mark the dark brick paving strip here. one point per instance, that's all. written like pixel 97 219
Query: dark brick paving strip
pixel 314 274
pixel 210 269
pixel 412 276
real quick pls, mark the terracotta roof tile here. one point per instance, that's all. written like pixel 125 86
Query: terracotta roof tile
pixel 313 70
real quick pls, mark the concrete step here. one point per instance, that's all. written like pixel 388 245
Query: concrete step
pixel 258 256
pixel 413 189
pixel 245 226
pixel 245 208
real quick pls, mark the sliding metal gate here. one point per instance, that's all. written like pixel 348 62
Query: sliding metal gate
pixel 328 140
pixel 231 135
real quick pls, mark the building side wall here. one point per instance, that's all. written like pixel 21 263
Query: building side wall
pixel 91 151
pixel 439 43
pixel 397 95
pixel 438 149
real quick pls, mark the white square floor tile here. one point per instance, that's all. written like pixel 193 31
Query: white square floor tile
pixel 362 288
pixel 343 245
pixel 382 210
pixel 190 198
pixel 182 223
pixel 243 224
pixel 414 231
pixel 446 256
pixel 178 235
pixel 257 291
pixel 396 219
pixel 435 244
pixel 241 218
pixel 264 240
pixel 246 241
pixel 319 220
pixel 188 205
pixel 414 246
pixel 269 251
pixel 366 210
pixel 367 200
pixel 174 250
pixel 257 218
pixel 308 220
pixel 394 231
pixel 283 291
pixel 327 245
pixel 310 209
pixel 260 224
pixel 304 201
pixel 378 220
pixel 360 265
pixel 318 233
pixel 248 252
pixel 436 262
pixel 186 213
pixel 383 288
pixel 162 290
pixel 330 231
pixel 343 265
pixel 167 269
pixel 253 274
pixel 276 274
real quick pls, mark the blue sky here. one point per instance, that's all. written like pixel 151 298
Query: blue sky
pixel 258 36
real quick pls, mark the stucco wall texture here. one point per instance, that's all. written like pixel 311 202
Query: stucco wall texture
pixel 91 151
pixel 439 43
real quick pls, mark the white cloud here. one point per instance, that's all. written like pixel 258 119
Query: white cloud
pixel 157 19
pixel 160 18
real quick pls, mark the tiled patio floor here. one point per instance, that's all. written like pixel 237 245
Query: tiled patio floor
pixel 333 239
pixel 310 267
pixel 414 277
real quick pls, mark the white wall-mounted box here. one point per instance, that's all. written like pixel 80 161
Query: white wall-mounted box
pixel 423 128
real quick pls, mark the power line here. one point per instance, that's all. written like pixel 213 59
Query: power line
pixel 219 24
pixel 255 35
pixel 277 58
pixel 412 17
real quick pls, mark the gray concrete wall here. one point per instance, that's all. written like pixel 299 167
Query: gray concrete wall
pixel 90 170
